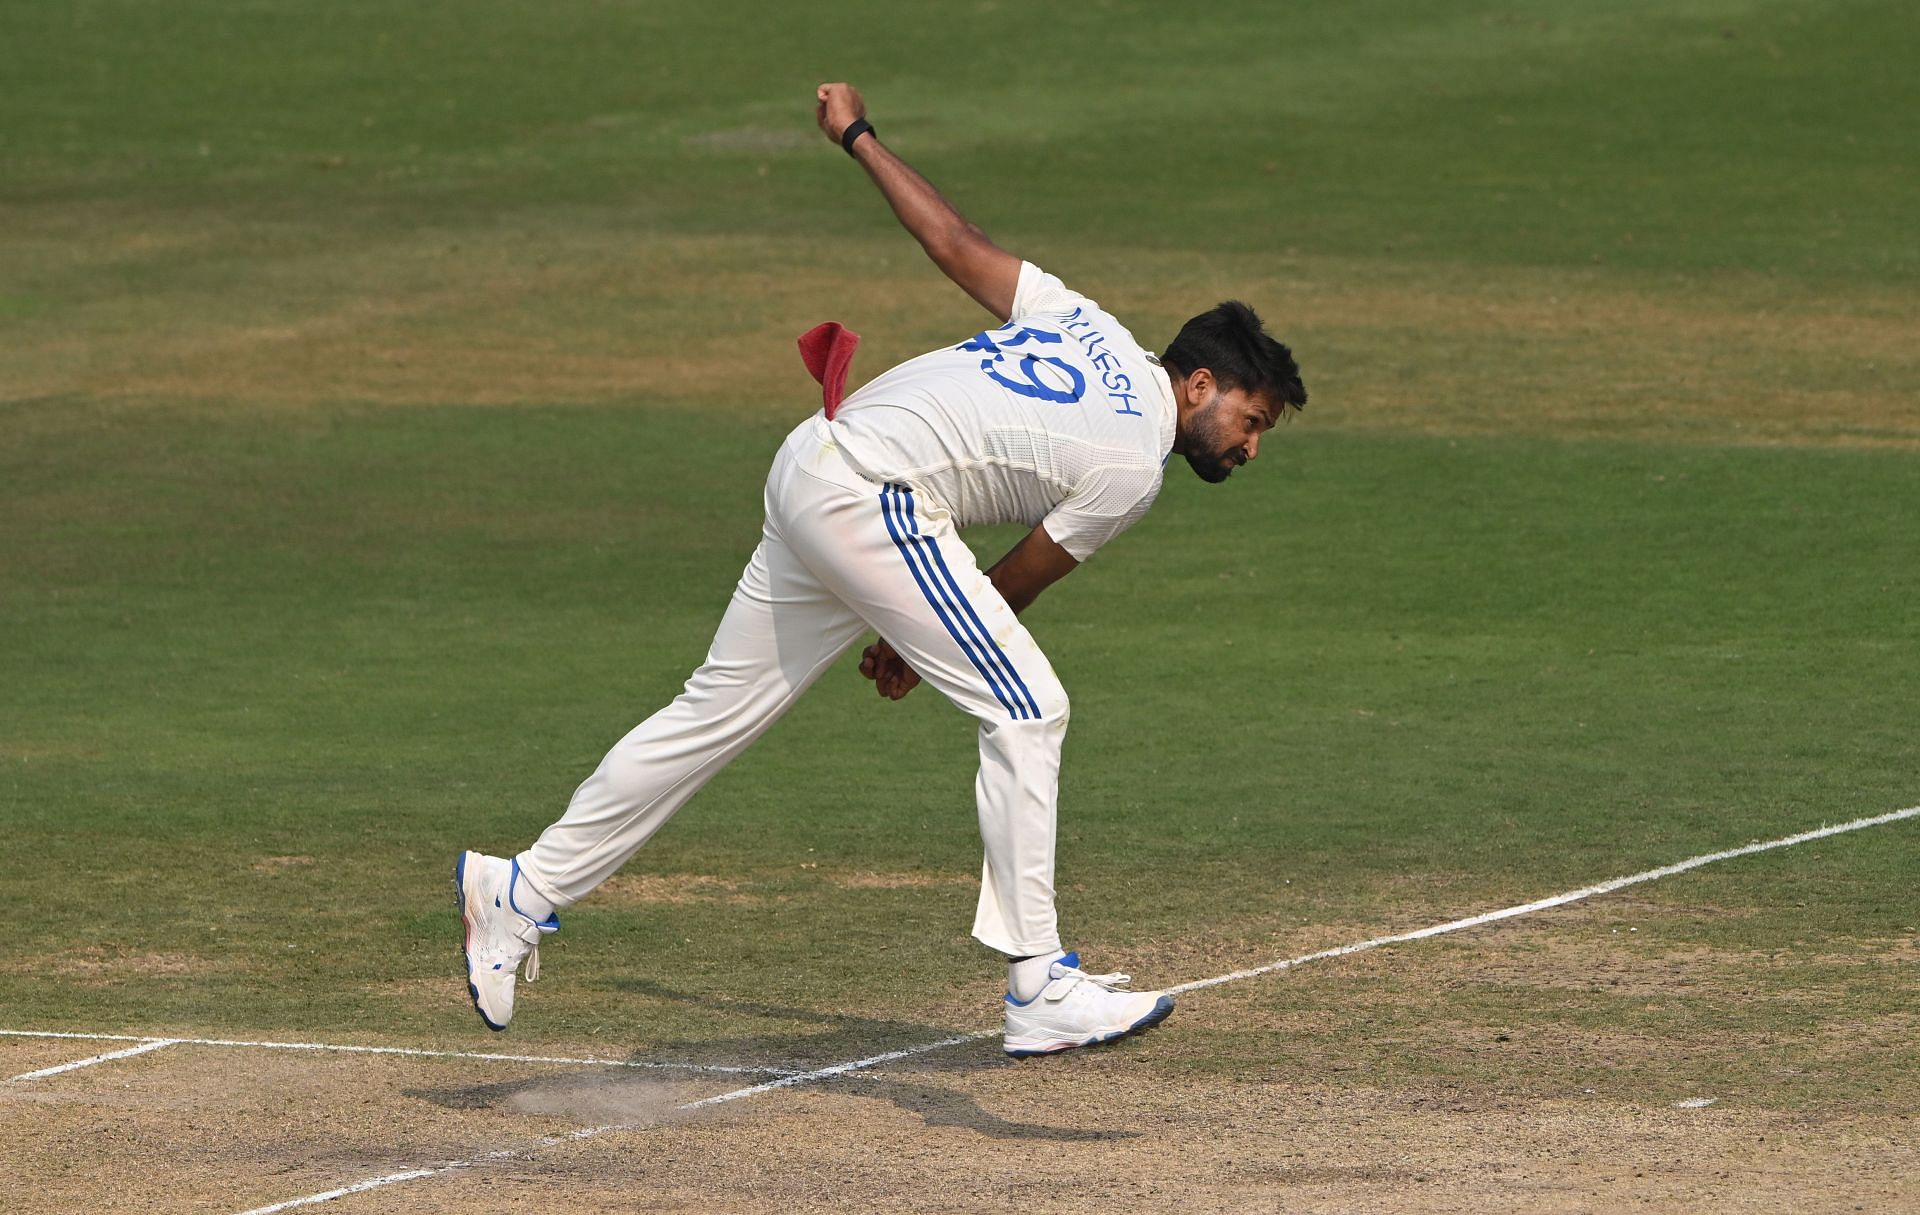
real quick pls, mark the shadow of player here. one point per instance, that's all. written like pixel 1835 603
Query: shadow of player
pixel 651 1098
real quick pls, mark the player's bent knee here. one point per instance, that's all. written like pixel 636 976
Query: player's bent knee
pixel 1046 705
pixel 1037 707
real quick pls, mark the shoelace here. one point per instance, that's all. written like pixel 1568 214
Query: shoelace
pixel 1073 977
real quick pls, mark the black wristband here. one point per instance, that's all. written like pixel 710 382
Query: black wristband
pixel 855 130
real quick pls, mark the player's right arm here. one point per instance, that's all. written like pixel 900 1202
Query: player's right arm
pixel 981 268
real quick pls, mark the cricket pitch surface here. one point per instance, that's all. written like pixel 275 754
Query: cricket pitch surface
pixel 947 1123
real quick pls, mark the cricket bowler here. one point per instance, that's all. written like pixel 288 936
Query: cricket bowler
pixel 1057 419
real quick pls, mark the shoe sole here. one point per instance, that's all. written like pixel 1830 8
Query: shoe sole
pixel 1162 1009
pixel 466 940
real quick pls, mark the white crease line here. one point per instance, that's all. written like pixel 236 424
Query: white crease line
pixel 648 1064
pixel 371 1183
pixel 1585 892
pixel 835 1070
pixel 1558 900
pixel 590 1132
pixel 146 1044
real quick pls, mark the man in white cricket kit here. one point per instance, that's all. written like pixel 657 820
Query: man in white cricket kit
pixel 1056 419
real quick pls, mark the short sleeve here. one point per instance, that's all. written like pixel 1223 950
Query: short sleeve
pixel 1039 292
pixel 1108 501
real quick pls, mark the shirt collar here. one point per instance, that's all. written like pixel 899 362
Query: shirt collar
pixel 1169 412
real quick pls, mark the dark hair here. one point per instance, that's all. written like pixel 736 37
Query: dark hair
pixel 1230 341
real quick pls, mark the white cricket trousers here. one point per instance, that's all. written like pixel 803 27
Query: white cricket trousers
pixel 838 555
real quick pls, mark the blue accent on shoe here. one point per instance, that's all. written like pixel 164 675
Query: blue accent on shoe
pixel 1065 959
pixel 473 993
pixel 1161 1010
pixel 553 918
pixel 460 898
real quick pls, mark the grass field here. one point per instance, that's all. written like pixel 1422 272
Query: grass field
pixel 384 398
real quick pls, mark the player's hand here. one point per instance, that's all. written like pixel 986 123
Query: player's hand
pixel 891 675
pixel 837 105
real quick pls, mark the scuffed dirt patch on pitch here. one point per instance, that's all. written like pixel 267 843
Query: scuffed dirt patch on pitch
pixel 195 1128
pixel 1501 1070
pixel 961 1133
pixel 1557 1005
pixel 19 1056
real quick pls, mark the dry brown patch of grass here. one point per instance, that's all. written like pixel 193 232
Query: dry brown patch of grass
pixel 873 880
pixel 39 749
pixel 104 964
pixel 280 864
pixel 260 316
pixel 627 889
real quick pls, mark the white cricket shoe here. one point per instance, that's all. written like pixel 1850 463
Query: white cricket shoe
pixel 499 934
pixel 1079 1009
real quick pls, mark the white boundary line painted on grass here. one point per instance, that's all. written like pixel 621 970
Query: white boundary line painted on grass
pixel 648 1064
pixel 146 1044
pixel 1572 896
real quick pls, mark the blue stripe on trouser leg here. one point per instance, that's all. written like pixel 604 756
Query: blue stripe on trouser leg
pixel 913 560
pixel 1004 664
pixel 891 498
pixel 968 620
pixel 981 649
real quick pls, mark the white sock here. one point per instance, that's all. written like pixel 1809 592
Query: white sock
pixel 1026 979
pixel 528 901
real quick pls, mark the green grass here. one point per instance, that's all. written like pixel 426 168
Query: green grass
pixel 1546 132
pixel 1491 669
pixel 384 395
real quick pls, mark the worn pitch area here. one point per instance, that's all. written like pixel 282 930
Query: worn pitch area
pixel 1585 1057
pixel 1297 1127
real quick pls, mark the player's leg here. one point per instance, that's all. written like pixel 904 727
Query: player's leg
pixel 906 571
pixel 781 630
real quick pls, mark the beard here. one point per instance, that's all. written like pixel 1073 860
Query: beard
pixel 1210 453
pixel 1211 467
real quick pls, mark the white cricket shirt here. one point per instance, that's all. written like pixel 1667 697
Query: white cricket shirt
pixel 1057 417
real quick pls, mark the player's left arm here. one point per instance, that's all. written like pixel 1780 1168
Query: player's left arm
pixel 1031 566
pixel 963 252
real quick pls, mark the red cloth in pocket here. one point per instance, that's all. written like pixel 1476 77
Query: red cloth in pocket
pixel 828 352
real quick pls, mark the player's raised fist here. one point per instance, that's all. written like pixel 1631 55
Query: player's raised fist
pixel 837 105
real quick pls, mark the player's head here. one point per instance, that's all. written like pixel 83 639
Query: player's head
pixel 1232 382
